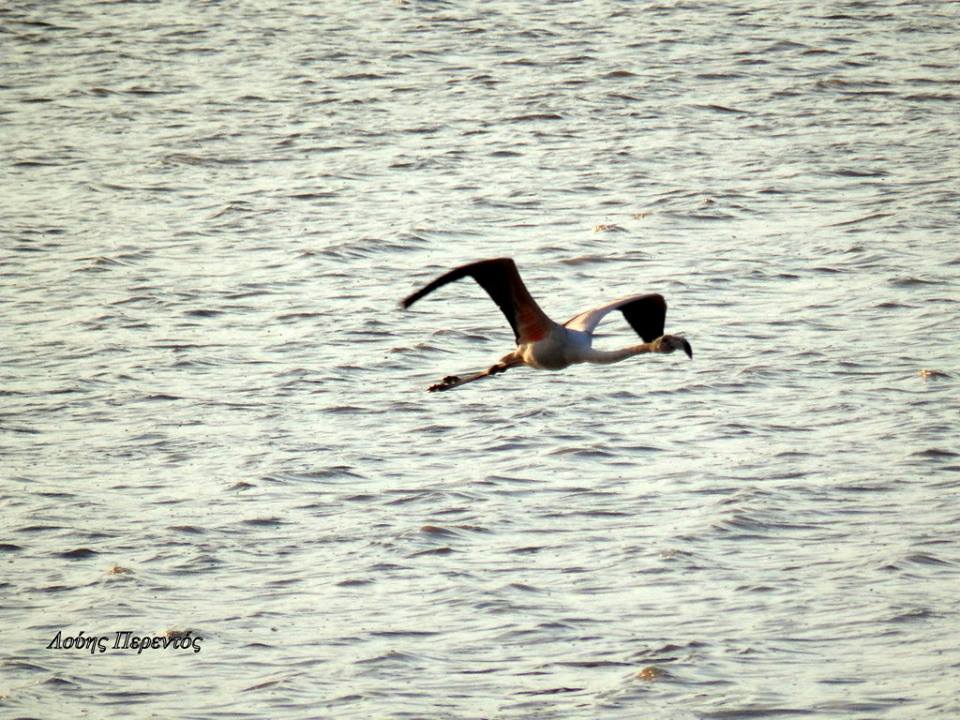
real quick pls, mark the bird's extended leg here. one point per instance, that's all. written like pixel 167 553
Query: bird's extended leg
pixel 452 381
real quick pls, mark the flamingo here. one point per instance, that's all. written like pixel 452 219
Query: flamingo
pixel 544 344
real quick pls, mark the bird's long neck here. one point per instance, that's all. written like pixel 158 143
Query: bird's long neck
pixel 605 357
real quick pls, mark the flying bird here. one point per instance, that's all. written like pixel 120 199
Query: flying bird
pixel 544 344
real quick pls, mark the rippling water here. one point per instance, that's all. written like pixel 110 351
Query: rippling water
pixel 213 412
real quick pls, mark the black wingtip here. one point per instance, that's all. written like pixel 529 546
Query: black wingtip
pixel 411 299
pixel 687 349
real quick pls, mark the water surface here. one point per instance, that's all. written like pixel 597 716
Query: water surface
pixel 213 411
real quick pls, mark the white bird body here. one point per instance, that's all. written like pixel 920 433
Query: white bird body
pixel 558 350
pixel 564 347
pixel 545 344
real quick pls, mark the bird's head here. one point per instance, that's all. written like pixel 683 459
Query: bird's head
pixel 669 343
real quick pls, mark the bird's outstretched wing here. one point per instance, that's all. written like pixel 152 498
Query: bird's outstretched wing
pixel 501 279
pixel 645 313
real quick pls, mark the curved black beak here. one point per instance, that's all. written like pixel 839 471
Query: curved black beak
pixel 687 349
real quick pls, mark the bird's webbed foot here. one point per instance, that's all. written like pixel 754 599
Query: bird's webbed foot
pixel 450 381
